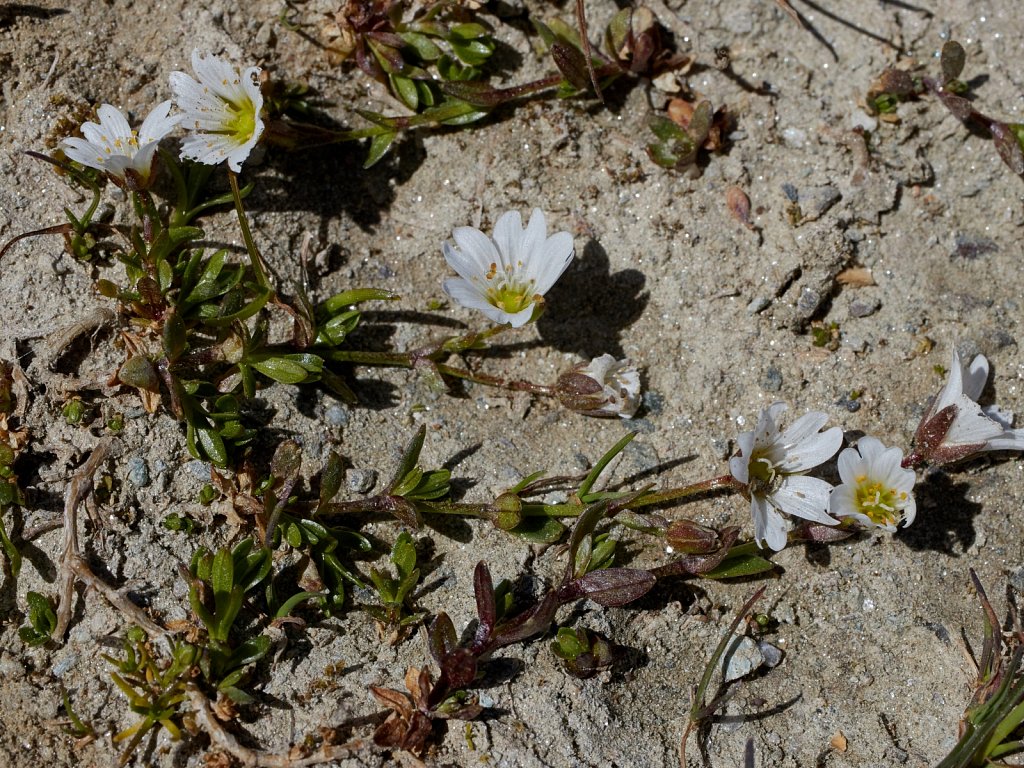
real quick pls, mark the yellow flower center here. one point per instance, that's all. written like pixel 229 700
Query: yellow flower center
pixel 879 504
pixel 763 477
pixel 242 123
pixel 507 293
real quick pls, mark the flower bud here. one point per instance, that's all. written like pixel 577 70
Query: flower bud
pixel 690 538
pixel 604 387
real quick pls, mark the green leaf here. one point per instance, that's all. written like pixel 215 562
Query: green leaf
pixel 602 463
pixel 247 311
pixel 379 146
pixel 346 299
pixel 293 535
pixel 211 446
pixel 13 555
pixel 334 331
pixel 174 338
pixel 472 52
pixel 282 369
pixel 222 575
pixel 738 567
pixel 41 618
pixel 425 48
pixel 539 530
pixel 294 601
pixel 403 554
pixel 251 650
pixel 331 477
pixel 406 90
pixel 410 457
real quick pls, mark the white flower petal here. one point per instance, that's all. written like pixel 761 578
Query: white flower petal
pixel 158 124
pixel 508 236
pixel 850 465
pixel 84 152
pixel 909 511
pixel 806 497
pixel 971 425
pixel 953 388
pixel 975 376
pixel 222 108
pixel 769 525
pixel 467 295
pixel 477 248
pixel 739 467
pixel 1010 440
pixel 554 258
pixel 804 427
pixel 532 241
pixel 811 451
pixel 1001 417
pixel 114 122
pixel 506 272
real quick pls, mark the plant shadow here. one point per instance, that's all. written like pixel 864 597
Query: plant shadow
pixel 589 307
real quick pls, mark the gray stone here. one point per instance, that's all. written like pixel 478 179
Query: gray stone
pixel 360 480
pixel 741 658
pixel 138 472
pixel 864 307
pixel 337 416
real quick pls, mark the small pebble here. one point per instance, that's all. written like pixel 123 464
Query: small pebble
pixel 742 658
pixel 198 469
pixel 809 301
pixel 758 305
pixel 772 380
pixel 772 655
pixel 337 416
pixel 62 666
pixel 815 201
pixel 138 472
pixel 794 137
pixel 864 308
pixel 360 480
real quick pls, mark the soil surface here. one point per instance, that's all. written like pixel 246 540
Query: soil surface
pixel 874 670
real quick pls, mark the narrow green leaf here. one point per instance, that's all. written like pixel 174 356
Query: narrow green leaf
pixel 410 456
pixel 379 146
pixel 738 567
pixel 331 478
pixel 13 555
pixel 222 575
pixel 603 462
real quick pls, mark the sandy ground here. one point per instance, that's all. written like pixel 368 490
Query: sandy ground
pixel 871 629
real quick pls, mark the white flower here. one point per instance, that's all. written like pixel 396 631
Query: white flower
pixel 506 276
pixel 876 490
pixel 222 108
pixel 113 147
pixel 771 464
pixel 603 387
pixel 954 426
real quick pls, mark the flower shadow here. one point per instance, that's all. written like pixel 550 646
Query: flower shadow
pixel 589 307
pixel 945 517
pixel 331 180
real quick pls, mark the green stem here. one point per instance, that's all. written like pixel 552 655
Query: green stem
pixel 471 340
pixel 516 385
pixel 366 357
pixel 258 266
pixel 694 489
